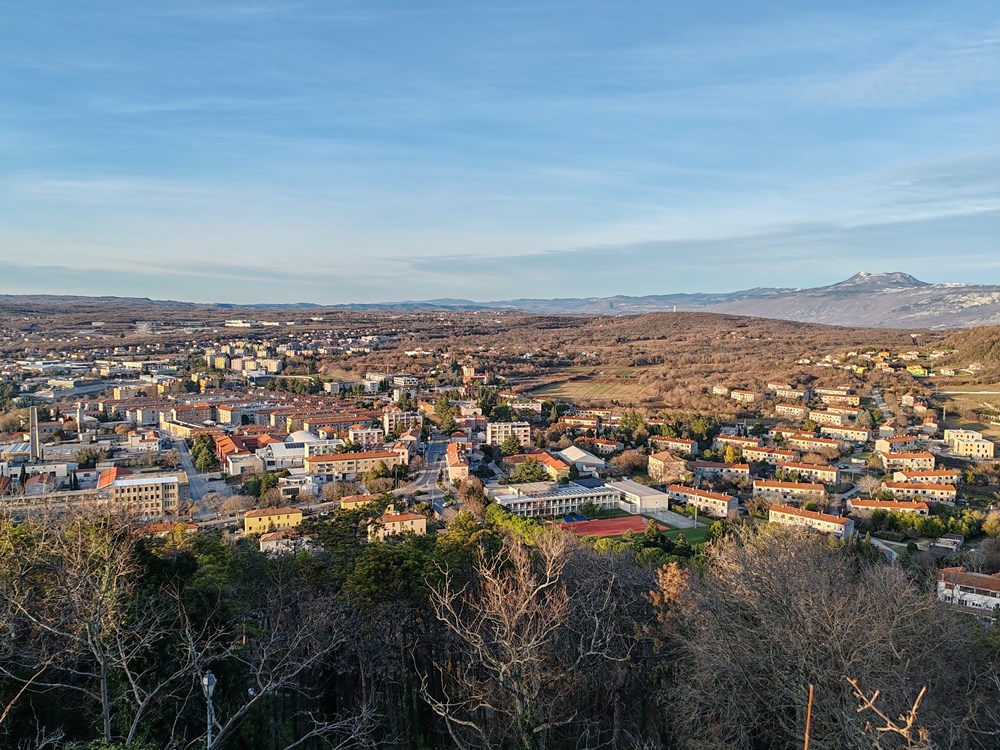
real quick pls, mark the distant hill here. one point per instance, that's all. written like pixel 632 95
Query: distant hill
pixel 885 300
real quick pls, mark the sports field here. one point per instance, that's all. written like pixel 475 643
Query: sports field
pixel 609 526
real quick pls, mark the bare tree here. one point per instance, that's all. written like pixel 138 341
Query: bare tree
pixel 869 484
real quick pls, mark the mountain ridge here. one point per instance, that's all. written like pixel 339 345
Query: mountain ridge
pixel 878 300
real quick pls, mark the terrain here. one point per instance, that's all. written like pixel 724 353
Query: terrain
pixel 886 300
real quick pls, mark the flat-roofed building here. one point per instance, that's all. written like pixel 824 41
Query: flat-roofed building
pixel 330 467
pixel 497 432
pixel 550 499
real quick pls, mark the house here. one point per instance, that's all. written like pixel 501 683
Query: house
pixel 940 492
pixel 457 462
pixel 783 492
pixel 284 541
pixel 713 504
pixel 262 520
pixel 605 447
pixel 497 432
pixel 812 472
pixel 920 461
pixel 665 467
pixel 389 524
pixel 977 591
pixel 865 507
pixel 840 527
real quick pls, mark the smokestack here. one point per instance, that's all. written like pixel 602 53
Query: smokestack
pixel 36 446
pixel 79 418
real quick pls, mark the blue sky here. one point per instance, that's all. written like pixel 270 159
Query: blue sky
pixel 330 151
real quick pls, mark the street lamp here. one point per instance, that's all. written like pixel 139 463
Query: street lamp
pixel 208 687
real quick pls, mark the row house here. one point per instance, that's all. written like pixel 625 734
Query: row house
pixel 744 397
pixel 850 411
pixel 769 455
pixel 679 446
pixel 457 462
pixel 920 461
pixel 792 411
pixel 712 504
pixel 784 492
pixel 718 470
pixel 581 422
pixel 842 528
pixel 845 399
pixel 818 473
pixel 821 416
pixel 865 507
pixel 940 492
pixel 793 394
pixel 806 443
pixel 936 476
pixel 736 441
pixel 901 444
pixel 847 434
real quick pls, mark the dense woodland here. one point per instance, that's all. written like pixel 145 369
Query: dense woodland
pixel 495 633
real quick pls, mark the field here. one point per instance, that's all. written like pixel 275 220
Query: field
pixel 964 398
pixel 588 384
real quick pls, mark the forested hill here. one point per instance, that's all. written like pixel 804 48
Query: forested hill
pixel 494 633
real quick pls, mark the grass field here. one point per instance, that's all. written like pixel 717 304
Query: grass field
pixel 964 397
pixel 696 535
pixel 622 391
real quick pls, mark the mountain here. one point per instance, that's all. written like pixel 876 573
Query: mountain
pixel 877 300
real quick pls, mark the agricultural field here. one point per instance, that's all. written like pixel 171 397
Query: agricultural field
pixel 960 399
pixel 593 385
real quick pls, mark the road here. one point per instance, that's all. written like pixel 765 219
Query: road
pixel 198 484
pixel 426 479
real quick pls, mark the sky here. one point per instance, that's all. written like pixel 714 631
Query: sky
pixel 334 151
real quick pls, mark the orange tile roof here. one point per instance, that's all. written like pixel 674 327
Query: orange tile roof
pixel 771 484
pixel 264 512
pixel 811 514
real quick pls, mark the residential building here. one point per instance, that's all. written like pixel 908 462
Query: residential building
pixel 807 443
pixel 940 492
pixel 977 591
pixel 864 507
pixel 390 524
pixel 972 447
pixel 901 444
pixel 395 420
pixel 284 541
pixel 334 466
pixel 497 432
pixel 793 411
pixel 937 476
pixel 823 417
pixel 920 461
pixel 148 495
pixel 769 455
pixel 606 447
pixel 719 470
pixel 263 520
pixel 680 446
pixel 812 472
pixel 457 462
pixel 737 441
pixel 713 504
pixel 744 397
pixel 847 434
pixel 785 515
pixel 664 467
pixel 784 492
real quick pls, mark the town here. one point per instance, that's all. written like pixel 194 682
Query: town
pixel 235 427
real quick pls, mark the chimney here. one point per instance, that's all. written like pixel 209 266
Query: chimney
pixel 36 446
pixel 79 418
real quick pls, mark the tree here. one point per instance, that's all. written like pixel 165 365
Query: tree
pixel 732 454
pixel 510 445
pixel 991 526
pixel 869 485
pixel 630 462
pixel 528 471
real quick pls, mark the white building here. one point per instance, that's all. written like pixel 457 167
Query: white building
pixel 977 591
pixel 497 432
